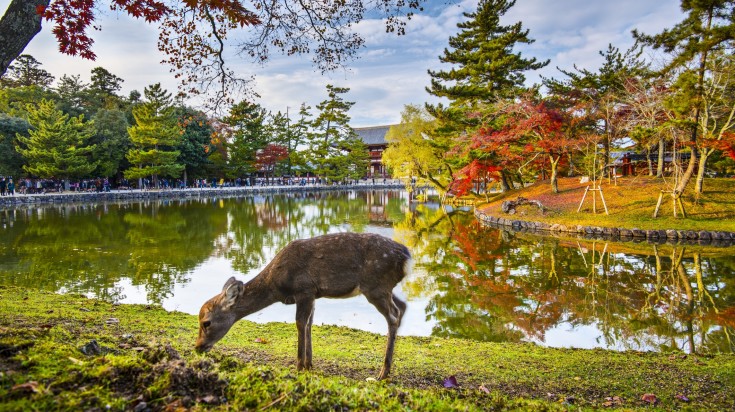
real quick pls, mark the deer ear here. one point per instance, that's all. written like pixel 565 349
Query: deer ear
pixel 229 282
pixel 232 291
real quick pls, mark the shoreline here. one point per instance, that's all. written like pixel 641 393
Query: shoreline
pixel 189 193
pixel 660 236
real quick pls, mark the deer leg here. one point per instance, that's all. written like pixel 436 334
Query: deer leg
pixel 393 312
pixel 304 316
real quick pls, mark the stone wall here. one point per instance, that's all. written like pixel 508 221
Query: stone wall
pixel 137 195
pixel 702 237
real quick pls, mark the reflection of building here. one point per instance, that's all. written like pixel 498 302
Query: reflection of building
pixel 374 138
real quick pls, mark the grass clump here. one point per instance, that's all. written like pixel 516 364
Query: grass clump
pixel 66 352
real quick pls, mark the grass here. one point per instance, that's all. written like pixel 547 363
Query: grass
pixel 630 202
pixel 145 359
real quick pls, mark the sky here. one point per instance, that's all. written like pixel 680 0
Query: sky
pixel 390 71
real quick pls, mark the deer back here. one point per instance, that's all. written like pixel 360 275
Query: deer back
pixel 337 265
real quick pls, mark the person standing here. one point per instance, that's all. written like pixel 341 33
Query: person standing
pixel 2 186
pixel 11 187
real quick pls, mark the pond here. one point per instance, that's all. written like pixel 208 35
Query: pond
pixel 468 280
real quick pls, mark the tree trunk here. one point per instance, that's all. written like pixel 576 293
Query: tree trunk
pixel 698 187
pixel 661 158
pixel 18 26
pixel 554 171
pixel 504 182
pixel 689 172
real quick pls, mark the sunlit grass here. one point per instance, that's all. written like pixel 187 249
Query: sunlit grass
pixel 147 356
pixel 630 203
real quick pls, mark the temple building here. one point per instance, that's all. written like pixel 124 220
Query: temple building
pixel 374 138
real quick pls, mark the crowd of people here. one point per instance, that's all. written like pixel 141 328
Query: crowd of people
pixel 9 187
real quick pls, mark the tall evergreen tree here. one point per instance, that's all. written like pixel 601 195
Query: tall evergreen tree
pixel 708 26
pixel 333 141
pixel 57 145
pixel 594 96
pixel 484 66
pixel 27 71
pixel 72 95
pixel 247 129
pixel 154 137
pixel 112 140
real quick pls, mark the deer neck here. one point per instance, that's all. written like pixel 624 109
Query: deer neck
pixel 256 295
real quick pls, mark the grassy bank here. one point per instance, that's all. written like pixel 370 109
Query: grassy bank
pixel 631 203
pixel 143 358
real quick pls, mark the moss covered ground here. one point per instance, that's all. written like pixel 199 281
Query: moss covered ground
pixel 67 352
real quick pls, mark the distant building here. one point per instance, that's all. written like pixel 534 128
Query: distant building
pixel 374 138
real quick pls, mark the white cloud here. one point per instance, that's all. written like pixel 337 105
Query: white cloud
pixel 392 70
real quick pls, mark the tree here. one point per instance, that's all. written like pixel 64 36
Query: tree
pixel 707 27
pixel 102 92
pixel 268 157
pixel 26 71
pixel 57 145
pixel 112 141
pixel 717 119
pixel 18 26
pixel 154 137
pixel 194 33
pixel 72 92
pixel 485 68
pixel 412 153
pixel 246 135
pixel 11 162
pixel 195 145
pixel 333 140
pixel 530 131
pixel 298 136
pixel 596 96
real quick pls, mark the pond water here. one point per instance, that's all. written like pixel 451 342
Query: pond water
pixel 468 280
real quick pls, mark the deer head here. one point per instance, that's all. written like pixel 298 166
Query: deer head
pixel 217 315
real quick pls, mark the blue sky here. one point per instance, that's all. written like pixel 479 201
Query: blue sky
pixel 391 71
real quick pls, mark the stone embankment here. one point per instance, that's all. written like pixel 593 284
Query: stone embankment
pixel 702 237
pixel 138 195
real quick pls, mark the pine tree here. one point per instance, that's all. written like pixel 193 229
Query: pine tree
pixel 485 68
pixel 707 27
pixel 335 149
pixel 246 122
pixel 57 145
pixel 154 137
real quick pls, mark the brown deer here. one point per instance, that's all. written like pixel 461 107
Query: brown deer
pixel 339 265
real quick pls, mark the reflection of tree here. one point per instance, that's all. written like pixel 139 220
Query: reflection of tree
pixel 91 248
pixel 493 285
pixel 261 225
pixel 166 242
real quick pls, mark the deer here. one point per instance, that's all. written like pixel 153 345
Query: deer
pixel 337 265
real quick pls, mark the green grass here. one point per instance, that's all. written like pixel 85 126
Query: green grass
pixel 631 203
pixel 147 356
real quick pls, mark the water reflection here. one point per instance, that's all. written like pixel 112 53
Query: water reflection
pixel 500 286
pixel 469 281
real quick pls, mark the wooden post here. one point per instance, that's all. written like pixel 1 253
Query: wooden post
pixel 586 189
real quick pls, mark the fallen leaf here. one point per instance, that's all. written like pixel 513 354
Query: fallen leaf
pixel 261 340
pixel 451 382
pixel 371 379
pixel 649 398
pixel 484 389
pixel 112 321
